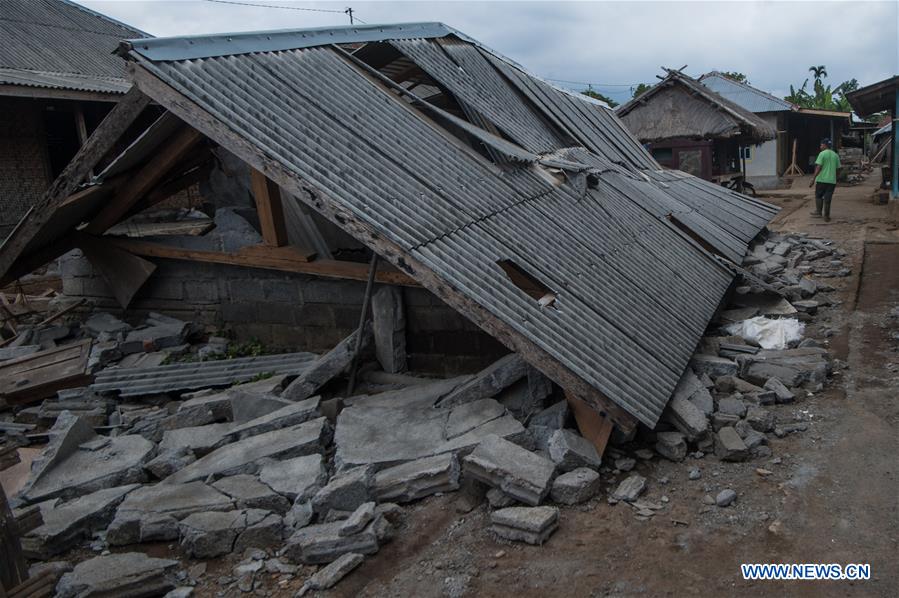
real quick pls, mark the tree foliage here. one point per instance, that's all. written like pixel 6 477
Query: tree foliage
pixel 589 92
pixel 735 76
pixel 640 89
pixel 821 96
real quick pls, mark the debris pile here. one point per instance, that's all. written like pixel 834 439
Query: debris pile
pixel 265 456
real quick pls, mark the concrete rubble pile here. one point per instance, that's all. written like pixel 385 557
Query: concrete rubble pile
pixel 287 471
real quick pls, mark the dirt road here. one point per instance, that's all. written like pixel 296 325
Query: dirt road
pixel 833 496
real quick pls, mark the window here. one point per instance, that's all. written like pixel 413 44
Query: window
pixel 746 153
pixel 663 154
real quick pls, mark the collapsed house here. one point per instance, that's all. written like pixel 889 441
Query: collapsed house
pixel 531 212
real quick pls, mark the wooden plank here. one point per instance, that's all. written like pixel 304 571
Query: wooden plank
pixel 13 569
pixel 364 232
pixel 269 208
pixel 40 375
pixel 142 182
pixel 593 426
pixel 284 259
pixel 192 227
pixel 124 272
pixel 97 146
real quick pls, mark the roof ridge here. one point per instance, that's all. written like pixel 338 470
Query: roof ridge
pixel 745 86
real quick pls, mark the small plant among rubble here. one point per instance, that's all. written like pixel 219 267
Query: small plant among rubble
pixel 251 348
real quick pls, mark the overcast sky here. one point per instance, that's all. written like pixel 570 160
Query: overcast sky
pixel 613 45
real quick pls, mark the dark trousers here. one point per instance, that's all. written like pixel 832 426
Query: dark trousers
pixel 823 195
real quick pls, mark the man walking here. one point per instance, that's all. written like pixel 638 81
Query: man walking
pixel 825 179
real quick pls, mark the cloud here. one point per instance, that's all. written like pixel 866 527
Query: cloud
pixel 612 44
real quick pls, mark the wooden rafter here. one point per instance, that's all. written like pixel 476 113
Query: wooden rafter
pixel 143 181
pixel 189 111
pixel 271 212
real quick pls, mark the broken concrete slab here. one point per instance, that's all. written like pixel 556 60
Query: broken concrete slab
pixel 67 524
pixel 713 365
pixel 516 471
pixel 630 489
pixel 248 405
pixel 64 438
pixel 290 415
pixel 469 416
pixel 533 525
pixel 245 455
pixel 687 417
pixel 489 381
pixel 124 574
pixel 782 393
pixel 570 451
pixel 575 487
pixel 200 440
pixel 249 493
pixel 358 519
pixel 167 462
pixel 328 576
pixel 345 491
pixel 117 462
pixel 208 535
pixel 671 445
pixel 732 406
pixel 177 500
pixel 298 478
pixel 389 328
pixel 103 322
pixel 729 446
pixel 326 367
pixel 760 419
pixel 322 543
pixel 417 479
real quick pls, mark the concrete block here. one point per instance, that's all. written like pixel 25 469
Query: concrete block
pixel 123 574
pixel 346 491
pixel 417 479
pixel 729 446
pixel 713 366
pixel 570 451
pixel 533 525
pixel 299 478
pixel 328 576
pixel 250 493
pixel 322 543
pixel 358 519
pixel 630 489
pixel 514 470
pixel 671 445
pixel 575 487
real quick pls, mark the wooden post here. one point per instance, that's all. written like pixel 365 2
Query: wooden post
pixel 366 304
pixel 270 210
pixel 13 569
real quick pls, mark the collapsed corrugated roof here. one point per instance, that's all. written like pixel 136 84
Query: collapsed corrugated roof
pixel 492 188
pixel 744 95
pixel 679 106
pixel 57 44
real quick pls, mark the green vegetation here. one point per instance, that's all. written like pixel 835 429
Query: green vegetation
pixel 822 97
pixel 598 96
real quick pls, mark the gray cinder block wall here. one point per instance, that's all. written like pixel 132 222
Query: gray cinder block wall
pixel 289 311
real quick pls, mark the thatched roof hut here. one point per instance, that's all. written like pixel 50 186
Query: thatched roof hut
pixel 682 107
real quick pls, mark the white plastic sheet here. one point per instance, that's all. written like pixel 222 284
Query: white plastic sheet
pixel 767 332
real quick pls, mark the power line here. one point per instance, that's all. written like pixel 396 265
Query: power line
pixel 279 7
pixel 593 84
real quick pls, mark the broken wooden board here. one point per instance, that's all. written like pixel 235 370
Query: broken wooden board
pixel 40 375
pixel 124 272
pixel 593 425
pixel 193 227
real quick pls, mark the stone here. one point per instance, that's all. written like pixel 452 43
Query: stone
pixel 625 464
pixel 687 418
pixel 156 527
pixel 300 514
pixel 244 455
pixel 180 592
pixel 389 328
pixel 322 543
pixel 713 365
pixel 725 498
pixel 264 530
pixel 298 478
pixel 123 574
pixel 807 286
pixel 200 440
pixel 168 462
pixel 330 575
pixel 754 439
pixel 806 306
pixel 732 406
pixel 514 470
pixel 104 322
pixel 67 524
pixel 729 446
pixel 417 479
pixel 497 499
pixel 630 489
pixel 326 367
pixel 694 474
pixel 671 445
pixel 250 493
pixel 217 405
pixel 358 520
pixel 570 451
pixel 290 415
pixel 178 500
pixel 723 420
pixel 208 535
pixel 785 429
pixel 124 529
pixel 533 525
pixel 734 384
pixel 781 392
pixel 760 419
pixel 575 487
pixel 346 491
pixel 248 404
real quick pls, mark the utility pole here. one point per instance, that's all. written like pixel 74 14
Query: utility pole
pixel 349 11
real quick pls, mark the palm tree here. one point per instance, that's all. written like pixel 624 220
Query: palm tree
pixel 819 72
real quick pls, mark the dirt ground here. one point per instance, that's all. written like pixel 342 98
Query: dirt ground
pixel 833 496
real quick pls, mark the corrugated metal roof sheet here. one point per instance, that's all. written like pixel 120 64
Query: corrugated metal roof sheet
pixel 58 44
pixel 745 96
pixel 634 294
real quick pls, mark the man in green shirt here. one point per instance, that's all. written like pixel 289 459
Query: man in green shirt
pixel 825 179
